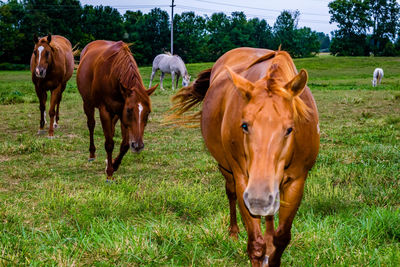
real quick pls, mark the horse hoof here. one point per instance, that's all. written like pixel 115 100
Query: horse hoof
pixel 40 132
pixel 265 261
pixel 51 137
pixel 110 180
pixel 55 125
pixel 91 159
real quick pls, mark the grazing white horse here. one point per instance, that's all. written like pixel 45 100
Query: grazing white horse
pixel 377 78
pixel 173 64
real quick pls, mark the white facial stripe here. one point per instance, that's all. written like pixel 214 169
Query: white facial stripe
pixel 40 49
pixel 140 112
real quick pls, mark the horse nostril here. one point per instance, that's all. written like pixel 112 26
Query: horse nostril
pixel 245 196
pixel 270 199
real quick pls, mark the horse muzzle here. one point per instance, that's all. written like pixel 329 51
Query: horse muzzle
pixel 136 147
pixel 40 72
pixel 265 205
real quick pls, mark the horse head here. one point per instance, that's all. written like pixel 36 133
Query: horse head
pixel 185 80
pixel 42 56
pixel 269 125
pixel 135 113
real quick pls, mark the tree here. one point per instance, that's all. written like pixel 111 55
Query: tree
pixel 352 17
pixel 284 30
pixel 102 22
pixel 385 16
pixel 324 41
pixel 261 34
pixel 218 39
pixel 298 42
pixel 189 32
pixel 11 36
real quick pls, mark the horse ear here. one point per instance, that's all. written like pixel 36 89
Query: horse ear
pixel 35 38
pixel 152 89
pixel 297 84
pixel 49 38
pixel 244 86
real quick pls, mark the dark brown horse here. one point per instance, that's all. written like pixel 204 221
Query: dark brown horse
pixel 260 122
pixel 52 65
pixel 109 79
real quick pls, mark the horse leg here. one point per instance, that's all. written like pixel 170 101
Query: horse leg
pixel 177 80
pixel 55 94
pixel 42 95
pixel 172 80
pixel 91 123
pixel 107 124
pixel 161 80
pixel 153 72
pixel 123 148
pixel 291 195
pixel 231 194
pixel 58 106
pixel 256 246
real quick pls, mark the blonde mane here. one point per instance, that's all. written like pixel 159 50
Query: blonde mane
pixel 283 70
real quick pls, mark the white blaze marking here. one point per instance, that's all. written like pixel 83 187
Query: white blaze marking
pixel 40 49
pixel 140 112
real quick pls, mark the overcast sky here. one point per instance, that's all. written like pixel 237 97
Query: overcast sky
pixel 314 13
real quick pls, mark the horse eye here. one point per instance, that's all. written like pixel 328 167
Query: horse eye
pixel 35 52
pixel 289 131
pixel 245 127
pixel 129 111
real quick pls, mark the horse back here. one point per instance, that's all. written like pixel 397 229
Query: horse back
pixel 94 72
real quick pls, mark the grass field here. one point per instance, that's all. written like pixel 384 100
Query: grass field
pixel 169 207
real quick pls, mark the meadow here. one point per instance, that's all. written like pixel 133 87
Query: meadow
pixel 169 206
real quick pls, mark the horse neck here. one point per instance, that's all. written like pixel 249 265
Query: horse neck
pixel 182 68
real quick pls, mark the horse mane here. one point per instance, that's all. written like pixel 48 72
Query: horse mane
pixel 124 67
pixel 281 71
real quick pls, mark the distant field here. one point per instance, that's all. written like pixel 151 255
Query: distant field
pixel 169 207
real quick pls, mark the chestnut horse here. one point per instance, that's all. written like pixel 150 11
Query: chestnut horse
pixel 52 65
pixel 109 79
pixel 260 122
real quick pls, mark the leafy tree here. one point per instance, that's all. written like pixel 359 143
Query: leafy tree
pixel 352 17
pixel 241 31
pixel 189 32
pixel 284 30
pixel 218 39
pixel 261 33
pixel 298 42
pixel 324 41
pixel 11 36
pixel 385 16
pixel 102 22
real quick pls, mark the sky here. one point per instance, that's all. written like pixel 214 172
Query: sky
pixel 313 13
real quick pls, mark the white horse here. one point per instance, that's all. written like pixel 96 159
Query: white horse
pixel 173 64
pixel 377 78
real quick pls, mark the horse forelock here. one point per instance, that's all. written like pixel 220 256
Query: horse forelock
pixel 125 69
pixel 281 71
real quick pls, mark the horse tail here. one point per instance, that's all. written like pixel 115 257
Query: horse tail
pixel 187 98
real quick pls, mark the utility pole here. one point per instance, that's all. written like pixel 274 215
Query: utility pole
pixel 172 27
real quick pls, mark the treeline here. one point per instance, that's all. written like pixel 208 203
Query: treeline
pixel 196 38
pixel 365 27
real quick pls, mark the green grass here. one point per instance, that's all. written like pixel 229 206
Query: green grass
pixel 169 207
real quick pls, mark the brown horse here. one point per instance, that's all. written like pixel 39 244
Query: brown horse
pixel 260 122
pixel 109 79
pixel 52 65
